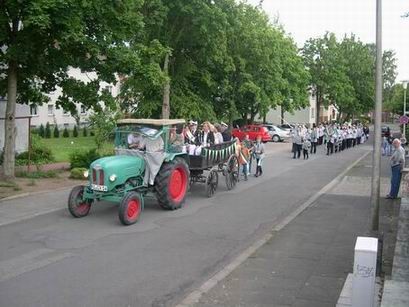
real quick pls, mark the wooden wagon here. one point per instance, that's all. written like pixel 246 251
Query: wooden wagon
pixel 215 159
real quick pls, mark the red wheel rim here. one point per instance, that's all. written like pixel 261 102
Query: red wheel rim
pixel 133 210
pixel 82 206
pixel 177 184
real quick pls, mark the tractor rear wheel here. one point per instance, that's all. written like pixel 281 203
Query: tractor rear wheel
pixel 130 208
pixel 171 184
pixel 76 205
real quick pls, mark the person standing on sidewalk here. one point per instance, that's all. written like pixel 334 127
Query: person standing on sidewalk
pixel 306 145
pixel 397 162
pixel 259 154
pixel 314 139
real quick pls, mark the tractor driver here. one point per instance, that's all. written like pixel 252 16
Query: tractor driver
pixel 141 142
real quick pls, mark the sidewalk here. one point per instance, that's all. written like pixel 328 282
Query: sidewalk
pixel 307 262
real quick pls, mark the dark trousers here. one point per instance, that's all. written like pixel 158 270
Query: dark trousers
pixel 320 140
pixel 358 140
pixel 330 148
pixel 353 142
pixel 395 181
pixel 314 147
pixel 305 153
pixel 344 144
pixel 297 151
pixel 349 143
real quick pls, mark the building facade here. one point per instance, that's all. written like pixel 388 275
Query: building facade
pixel 305 116
pixel 48 112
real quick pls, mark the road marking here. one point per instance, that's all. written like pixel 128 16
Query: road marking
pixel 195 296
pixel 33 260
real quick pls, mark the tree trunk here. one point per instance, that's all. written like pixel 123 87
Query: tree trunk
pixel 166 90
pixel 10 122
pixel 282 115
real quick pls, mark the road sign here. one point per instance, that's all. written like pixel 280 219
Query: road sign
pixel 404 119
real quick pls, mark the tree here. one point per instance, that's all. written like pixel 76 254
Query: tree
pixel 41 39
pixel 56 132
pixel 103 124
pixel 75 131
pixel 65 133
pixel 328 70
pixel 84 132
pixel 47 133
pixel 41 131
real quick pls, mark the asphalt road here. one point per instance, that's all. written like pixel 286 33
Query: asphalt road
pixel 56 260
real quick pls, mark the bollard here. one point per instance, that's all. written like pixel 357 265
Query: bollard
pixel 363 283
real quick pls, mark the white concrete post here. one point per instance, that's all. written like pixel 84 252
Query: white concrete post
pixel 363 283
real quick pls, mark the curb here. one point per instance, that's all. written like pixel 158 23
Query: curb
pixel 194 297
pixel 22 195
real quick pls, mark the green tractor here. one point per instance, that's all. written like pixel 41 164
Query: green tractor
pixel 145 161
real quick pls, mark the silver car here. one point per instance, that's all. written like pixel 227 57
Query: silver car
pixel 277 134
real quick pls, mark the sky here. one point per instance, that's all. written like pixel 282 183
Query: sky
pixel 304 19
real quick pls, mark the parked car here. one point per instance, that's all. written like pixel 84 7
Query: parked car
pixel 277 134
pixel 253 131
pixel 286 127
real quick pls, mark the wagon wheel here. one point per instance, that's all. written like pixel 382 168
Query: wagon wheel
pixel 232 172
pixel 212 181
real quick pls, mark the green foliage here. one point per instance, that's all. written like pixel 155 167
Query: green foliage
pixel 47 133
pixel 103 124
pixel 342 73
pixel 65 133
pixel 75 131
pixel 56 132
pixel 83 159
pixel 84 132
pixel 226 61
pixel 40 154
pixel 78 173
pixel 41 131
pixel 38 174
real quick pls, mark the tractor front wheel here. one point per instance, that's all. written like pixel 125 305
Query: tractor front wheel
pixel 171 184
pixel 77 206
pixel 130 208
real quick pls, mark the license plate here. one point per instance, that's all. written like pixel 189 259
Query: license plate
pixel 101 188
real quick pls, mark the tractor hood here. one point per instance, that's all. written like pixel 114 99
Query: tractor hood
pixel 123 167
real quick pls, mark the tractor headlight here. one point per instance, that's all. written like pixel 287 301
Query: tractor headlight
pixel 112 178
pixel 86 174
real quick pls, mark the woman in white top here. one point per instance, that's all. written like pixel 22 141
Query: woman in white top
pixel 218 137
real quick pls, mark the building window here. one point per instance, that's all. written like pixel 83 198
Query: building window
pixel 108 88
pixel 33 110
pixel 66 113
pixel 83 109
pixel 312 112
pixel 50 110
pixel 66 125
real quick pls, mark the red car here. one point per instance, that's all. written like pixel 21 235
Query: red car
pixel 253 131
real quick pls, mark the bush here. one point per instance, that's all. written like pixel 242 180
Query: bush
pixel 92 133
pixel 78 173
pixel 56 132
pixel 41 131
pixel 85 131
pixel 65 133
pixel 38 174
pixel 75 132
pixel 47 131
pixel 40 154
pixel 83 159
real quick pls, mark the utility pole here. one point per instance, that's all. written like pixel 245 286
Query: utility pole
pixel 376 157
